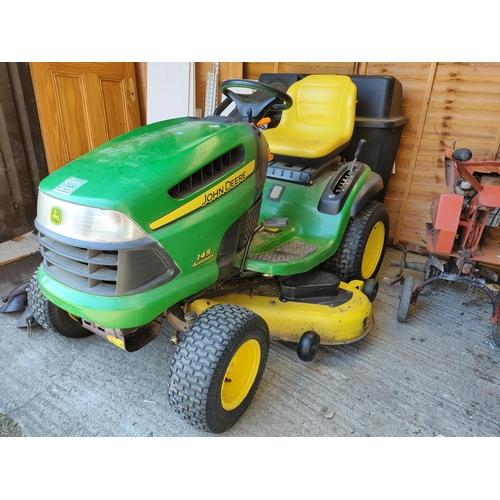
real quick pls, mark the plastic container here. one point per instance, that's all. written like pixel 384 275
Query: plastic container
pixel 380 121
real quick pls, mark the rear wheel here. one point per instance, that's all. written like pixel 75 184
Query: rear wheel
pixel 51 316
pixel 404 301
pixel 495 333
pixel 362 248
pixel 217 367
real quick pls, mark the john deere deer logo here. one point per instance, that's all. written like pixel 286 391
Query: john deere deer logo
pixel 56 215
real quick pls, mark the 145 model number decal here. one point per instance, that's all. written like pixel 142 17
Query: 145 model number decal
pixel 203 257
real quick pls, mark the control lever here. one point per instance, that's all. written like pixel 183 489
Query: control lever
pixel 361 145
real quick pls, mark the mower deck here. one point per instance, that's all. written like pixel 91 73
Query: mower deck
pixel 340 318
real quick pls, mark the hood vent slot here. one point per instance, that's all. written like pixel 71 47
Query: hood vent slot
pixel 209 173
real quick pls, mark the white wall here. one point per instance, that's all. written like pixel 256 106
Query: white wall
pixel 170 90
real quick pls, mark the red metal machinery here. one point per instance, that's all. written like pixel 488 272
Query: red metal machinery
pixel 460 234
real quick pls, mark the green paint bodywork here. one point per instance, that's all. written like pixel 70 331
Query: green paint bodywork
pixel 122 312
pixel 299 204
pixel 133 173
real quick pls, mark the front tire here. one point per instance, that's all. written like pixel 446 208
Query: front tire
pixel 217 367
pixel 362 248
pixel 50 316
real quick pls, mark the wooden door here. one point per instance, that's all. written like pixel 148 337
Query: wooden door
pixel 82 105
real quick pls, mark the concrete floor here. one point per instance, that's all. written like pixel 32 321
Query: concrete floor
pixel 435 375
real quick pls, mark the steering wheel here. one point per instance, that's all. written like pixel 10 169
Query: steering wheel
pixel 255 106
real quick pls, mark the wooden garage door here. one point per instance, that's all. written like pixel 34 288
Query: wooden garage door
pixel 82 105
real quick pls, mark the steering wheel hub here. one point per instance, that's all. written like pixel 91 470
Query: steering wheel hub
pixel 264 99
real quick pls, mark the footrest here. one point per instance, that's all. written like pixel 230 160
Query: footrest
pixel 293 250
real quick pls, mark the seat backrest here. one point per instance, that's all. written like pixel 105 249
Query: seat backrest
pixel 321 119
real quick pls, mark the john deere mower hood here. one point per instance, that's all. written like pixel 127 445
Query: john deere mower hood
pixel 150 171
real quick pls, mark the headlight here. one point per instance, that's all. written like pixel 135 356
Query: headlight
pixel 85 223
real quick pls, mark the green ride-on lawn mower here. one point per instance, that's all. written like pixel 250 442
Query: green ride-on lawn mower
pixel 236 229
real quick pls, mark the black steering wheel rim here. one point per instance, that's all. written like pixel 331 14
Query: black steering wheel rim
pixel 285 101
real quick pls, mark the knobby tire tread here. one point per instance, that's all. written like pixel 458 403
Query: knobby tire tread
pixel 196 362
pixel 47 314
pixel 346 262
pixel 38 303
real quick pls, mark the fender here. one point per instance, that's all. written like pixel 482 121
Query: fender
pixel 368 191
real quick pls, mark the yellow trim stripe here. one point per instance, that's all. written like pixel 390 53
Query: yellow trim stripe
pixel 207 196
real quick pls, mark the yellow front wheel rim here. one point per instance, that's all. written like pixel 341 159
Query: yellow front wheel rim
pixel 240 374
pixel 373 250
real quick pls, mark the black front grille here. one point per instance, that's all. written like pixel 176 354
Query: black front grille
pixel 103 271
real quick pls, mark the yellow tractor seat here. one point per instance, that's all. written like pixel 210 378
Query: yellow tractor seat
pixel 320 122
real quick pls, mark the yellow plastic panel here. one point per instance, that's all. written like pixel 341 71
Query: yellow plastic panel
pixel 287 321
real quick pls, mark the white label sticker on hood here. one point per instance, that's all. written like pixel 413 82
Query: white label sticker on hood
pixel 70 185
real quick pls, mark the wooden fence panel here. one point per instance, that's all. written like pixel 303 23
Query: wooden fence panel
pixel 464 107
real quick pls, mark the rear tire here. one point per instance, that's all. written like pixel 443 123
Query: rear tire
pixel 50 316
pixel 217 367
pixel 361 251
pixel 404 301
pixel 495 333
